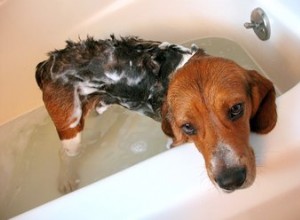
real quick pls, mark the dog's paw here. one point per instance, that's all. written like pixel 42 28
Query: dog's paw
pixel 68 183
pixel 169 143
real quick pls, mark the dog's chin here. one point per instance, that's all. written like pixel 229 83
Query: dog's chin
pixel 228 191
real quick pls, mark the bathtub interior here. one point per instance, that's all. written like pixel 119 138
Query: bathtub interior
pixel 27 168
pixel 113 141
pixel 174 184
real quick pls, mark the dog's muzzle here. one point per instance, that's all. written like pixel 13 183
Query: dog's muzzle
pixel 231 178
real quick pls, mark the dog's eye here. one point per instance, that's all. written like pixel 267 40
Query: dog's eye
pixel 236 111
pixel 188 129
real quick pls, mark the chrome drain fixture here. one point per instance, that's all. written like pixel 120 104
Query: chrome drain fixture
pixel 260 24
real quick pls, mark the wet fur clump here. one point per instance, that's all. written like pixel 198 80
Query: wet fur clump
pixel 126 71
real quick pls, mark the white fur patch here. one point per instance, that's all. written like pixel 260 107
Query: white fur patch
pixel 102 108
pixel 51 68
pixel 114 76
pixel 225 153
pixel 185 49
pixel 72 146
pixel 169 143
pixel 135 81
pixel 164 45
pixel 86 88
pixel 184 60
pixel 77 112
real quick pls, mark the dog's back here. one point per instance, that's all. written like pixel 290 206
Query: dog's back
pixel 130 71
pixel 89 74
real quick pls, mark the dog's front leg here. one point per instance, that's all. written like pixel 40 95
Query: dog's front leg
pixel 69 161
pixel 68 175
pixel 69 156
pixel 67 112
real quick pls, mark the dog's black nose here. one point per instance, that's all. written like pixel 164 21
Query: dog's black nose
pixel 231 178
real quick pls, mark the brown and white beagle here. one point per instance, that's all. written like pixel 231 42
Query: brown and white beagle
pixel 207 100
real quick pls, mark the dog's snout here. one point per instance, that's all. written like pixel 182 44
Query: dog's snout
pixel 231 178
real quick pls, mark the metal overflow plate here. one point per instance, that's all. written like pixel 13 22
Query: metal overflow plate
pixel 260 24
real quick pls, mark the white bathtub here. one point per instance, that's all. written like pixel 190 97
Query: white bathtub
pixel 173 184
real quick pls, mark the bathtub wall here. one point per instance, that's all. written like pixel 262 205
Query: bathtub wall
pixel 31 28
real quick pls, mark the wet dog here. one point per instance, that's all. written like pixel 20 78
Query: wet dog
pixel 210 101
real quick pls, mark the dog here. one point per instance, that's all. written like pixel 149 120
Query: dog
pixel 210 101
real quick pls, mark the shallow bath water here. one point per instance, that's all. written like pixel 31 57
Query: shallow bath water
pixel 113 141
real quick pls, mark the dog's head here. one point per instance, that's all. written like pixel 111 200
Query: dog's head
pixel 215 103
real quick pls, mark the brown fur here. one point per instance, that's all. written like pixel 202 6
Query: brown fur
pixel 202 92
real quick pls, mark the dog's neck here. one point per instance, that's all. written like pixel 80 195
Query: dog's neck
pixel 130 72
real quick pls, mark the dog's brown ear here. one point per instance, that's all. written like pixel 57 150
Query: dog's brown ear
pixel 170 128
pixel 165 123
pixel 264 116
